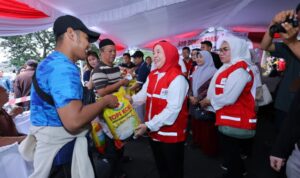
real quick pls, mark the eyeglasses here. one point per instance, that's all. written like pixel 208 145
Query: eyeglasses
pixel 223 50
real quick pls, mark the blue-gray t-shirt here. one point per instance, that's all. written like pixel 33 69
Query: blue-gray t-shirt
pixel 59 77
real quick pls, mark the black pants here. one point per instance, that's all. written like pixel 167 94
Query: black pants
pixel 169 158
pixel 61 171
pixel 279 118
pixel 113 156
pixel 232 149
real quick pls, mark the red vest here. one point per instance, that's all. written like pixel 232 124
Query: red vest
pixel 241 114
pixel 156 103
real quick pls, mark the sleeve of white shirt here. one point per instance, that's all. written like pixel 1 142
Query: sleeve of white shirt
pixel 177 92
pixel 182 65
pixel 233 88
pixel 141 96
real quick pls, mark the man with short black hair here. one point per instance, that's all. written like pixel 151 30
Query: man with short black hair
pixel 127 61
pixel 60 121
pixel 142 71
pixel 188 62
pixel 207 46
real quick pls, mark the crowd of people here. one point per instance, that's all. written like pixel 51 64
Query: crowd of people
pixel 211 96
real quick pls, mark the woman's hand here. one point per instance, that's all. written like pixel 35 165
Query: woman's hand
pixel 193 100
pixel 204 103
pixel 140 130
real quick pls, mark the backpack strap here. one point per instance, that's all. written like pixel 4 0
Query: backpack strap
pixel 43 95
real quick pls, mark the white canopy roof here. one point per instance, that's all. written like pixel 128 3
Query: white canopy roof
pixel 139 22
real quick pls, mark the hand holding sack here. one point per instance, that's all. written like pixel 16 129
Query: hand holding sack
pixel 128 88
pixel 121 120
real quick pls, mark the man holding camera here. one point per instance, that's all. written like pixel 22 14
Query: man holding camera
pixel 289 49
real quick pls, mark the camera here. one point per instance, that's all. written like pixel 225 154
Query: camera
pixel 277 28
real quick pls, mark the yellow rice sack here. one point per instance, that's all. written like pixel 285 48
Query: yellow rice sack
pixel 123 119
pixel 127 88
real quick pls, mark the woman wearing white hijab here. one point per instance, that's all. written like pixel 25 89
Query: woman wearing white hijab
pixel 232 94
pixel 204 131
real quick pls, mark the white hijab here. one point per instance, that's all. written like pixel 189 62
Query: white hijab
pixel 203 72
pixel 239 50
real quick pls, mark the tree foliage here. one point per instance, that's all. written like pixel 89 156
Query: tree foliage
pixel 31 46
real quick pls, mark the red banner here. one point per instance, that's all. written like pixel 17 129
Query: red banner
pixel 15 9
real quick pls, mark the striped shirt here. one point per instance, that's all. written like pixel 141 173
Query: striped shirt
pixel 104 75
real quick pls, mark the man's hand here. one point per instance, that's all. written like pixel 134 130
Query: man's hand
pixel 276 163
pixel 124 82
pixel 291 33
pixel 111 101
pixel 282 16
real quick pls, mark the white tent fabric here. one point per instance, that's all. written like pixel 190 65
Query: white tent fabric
pixel 138 22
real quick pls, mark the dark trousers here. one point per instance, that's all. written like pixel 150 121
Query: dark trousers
pixel 279 118
pixel 113 156
pixel 205 135
pixel 61 171
pixel 232 149
pixel 169 158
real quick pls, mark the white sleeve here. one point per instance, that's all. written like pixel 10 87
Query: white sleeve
pixel 177 92
pixel 182 65
pixel 141 96
pixel 233 88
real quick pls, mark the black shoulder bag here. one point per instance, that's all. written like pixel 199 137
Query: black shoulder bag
pixel 43 95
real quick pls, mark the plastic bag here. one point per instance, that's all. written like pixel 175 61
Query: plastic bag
pixel 98 137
